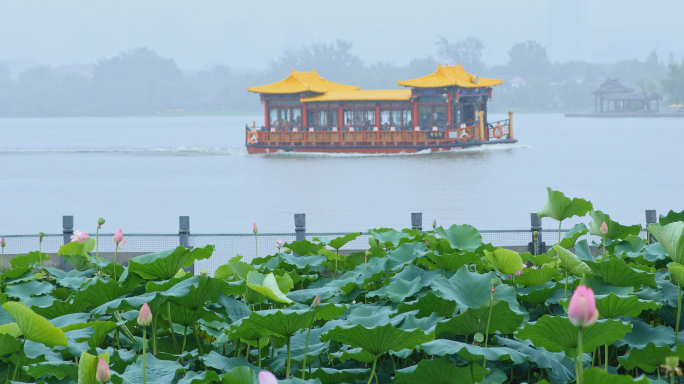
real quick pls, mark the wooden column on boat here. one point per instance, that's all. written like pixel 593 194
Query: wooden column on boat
pixel 415 111
pixel 266 114
pixel 377 114
pixel 449 98
pixel 510 125
pixel 305 123
pixel 340 118
pixel 482 129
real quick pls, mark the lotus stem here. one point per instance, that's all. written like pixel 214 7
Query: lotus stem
pixel 259 352
pixel 144 351
pixel 173 333
pixel 199 342
pixel 559 240
pixel 16 366
pixel 606 359
pixel 256 245
pixel 97 247
pixel 289 357
pixel 679 310
pixel 154 336
pixel 306 348
pixel 116 251
pixel 272 339
pixel 185 337
pixel 375 361
pixel 580 364
pixel 247 353
pixel 489 320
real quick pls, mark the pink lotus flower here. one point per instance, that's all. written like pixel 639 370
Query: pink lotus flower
pixel 582 309
pixel 79 236
pixel 279 243
pixel 255 229
pixel 145 315
pixel 604 228
pixel 103 375
pixel 2 243
pixel 316 301
pixel 266 377
pixel 519 272
pixel 118 236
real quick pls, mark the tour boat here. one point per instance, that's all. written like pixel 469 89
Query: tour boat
pixel 442 111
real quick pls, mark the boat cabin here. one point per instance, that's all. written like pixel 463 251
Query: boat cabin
pixel 439 110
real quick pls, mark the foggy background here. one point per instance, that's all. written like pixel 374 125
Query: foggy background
pixel 85 58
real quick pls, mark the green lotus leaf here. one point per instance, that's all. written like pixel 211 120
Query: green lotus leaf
pixel 238 375
pixel 559 207
pixel 285 283
pixel 559 368
pixel 671 217
pixel 409 273
pixel 532 277
pixel 79 262
pixel 538 294
pixel 398 290
pixel 630 247
pixel 440 371
pixel 650 357
pixel 472 353
pixel 158 371
pixel 676 269
pixel 60 308
pixel 306 295
pixel 505 261
pixel 201 378
pixel 235 269
pixel 35 327
pixel 540 259
pixel 283 322
pixel 571 262
pixel 8 340
pixel 611 306
pixel 330 311
pixel 429 304
pixel 70 319
pixel 583 251
pixel 100 331
pixel 338 376
pixel 618 273
pixel 453 261
pixel 388 237
pixel 405 254
pixel 236 309
pixel 101 291
pixel 59 369
pixel 304 262
pixel 339 242
pixel 643 333
pixel 600 287
pixel 471 290
pixel 29 289
pixel 266 286
pixel 570 238
pixel 305 247
pixel 358 354
pixel 615 229
pixel 164 265
pixel 378 340
pixel 671 237
pixel 225 364
pixel 87 367
pixel 461 237
pixel 557 334
pixel 473 321
pixel 193 293
pixel 28 260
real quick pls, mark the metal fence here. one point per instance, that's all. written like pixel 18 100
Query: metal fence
pixel 247 245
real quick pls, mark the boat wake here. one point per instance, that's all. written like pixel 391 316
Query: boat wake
pixel 483 148
pixel 180 151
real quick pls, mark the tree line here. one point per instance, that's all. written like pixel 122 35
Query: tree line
pixel 140 82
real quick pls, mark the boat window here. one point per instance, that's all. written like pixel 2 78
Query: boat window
pixel 322 118
pixel 297 117
pixel 408 121
pixel 425 113
pixel 273 117
pixel 310 118
pixel 359 118
pixel 285 116
pixel 370 118
pixel 348 118
pixel 385 117
pixel 439 116
pixel 396 118
pixel 332 118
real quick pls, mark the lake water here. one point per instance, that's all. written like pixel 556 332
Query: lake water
pixel 141 173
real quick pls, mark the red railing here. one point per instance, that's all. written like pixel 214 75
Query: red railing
pixel 442 136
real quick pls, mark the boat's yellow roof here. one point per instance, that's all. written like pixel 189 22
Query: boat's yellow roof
pixel 299 82
pixel 388 95
pixel 450 75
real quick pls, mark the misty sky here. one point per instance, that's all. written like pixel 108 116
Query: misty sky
pixel 246 34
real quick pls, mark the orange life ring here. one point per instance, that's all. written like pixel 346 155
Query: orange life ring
pixel 497 131
pixel 252 136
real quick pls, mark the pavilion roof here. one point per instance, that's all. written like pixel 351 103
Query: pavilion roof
pixel 450 75
pixel 299 82
pixel 612 86
pixel 386 95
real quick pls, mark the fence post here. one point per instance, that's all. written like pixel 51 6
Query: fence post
pixel 67 231
pixel 417 221
pixel 300 226
pixel 184 237
pixel 536 246
pixel 650 219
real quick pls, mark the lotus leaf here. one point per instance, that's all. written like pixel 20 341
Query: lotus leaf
pixel 571 262
pixel 618 273
pixel 473 321
pixel 671 217
pixel 35 327
pixel 671 237
pixel 615 229
pixel 164 265
pixel 557 334
pixel 405 254
pixel 505 261
pixel 568 241
pixel 559 207
pixel 472 353
pixel 532 277
pixel 87 367
pixel 650 357
pixel 439 371
pixel 461 237
pixel 428 304
pixel 559 367
pixel 378 340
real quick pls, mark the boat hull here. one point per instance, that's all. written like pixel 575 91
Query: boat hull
pixel 263 148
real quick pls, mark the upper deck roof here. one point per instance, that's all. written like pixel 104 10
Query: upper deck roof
pixel 449 76
pixel 384 95
pixel 299 82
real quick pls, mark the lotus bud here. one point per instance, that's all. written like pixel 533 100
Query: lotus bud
pixel 266 377
pixel 672 365
pixel 495 281
pixel 204 272
pixel 316 301
pixel 434 224
pixel 118 236
pixel 604 228
pixel 535 234
pixel 286 249
pixel 279 243
pixel 79 236
pixel 145 315
pixel 100 221
pixel 255 229
pixel 41 235
pixel 103 375
pixel 427 243
pixel 3 243
pixel 582 310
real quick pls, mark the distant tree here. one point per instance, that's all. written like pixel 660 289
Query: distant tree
pixel 468 52
pixel 673 84
pixel 334 61
pixel 528 58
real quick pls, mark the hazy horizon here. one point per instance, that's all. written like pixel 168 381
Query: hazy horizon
pixel 245 36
